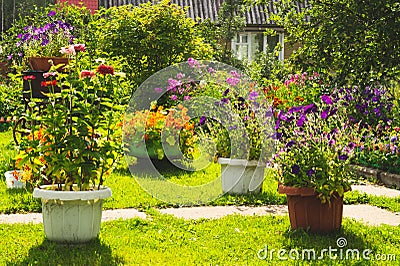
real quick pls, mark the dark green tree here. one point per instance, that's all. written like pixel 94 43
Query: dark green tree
pixel 352 41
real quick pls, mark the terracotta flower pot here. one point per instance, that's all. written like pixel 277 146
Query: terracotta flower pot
pixel 42 63
pixel 306 210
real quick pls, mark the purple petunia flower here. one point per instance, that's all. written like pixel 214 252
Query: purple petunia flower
pixel 310 172
pixel 9 57
pixel 295 109
pixel 326 99
pixel 309 108
pixel 174 97
pixel 351 145
pixel 295 169
pixel 324 114
pixel 202 120
pixel 225 100
pixel 343 157
pixel 253 95
pixel 225 92
pixel 51 13
pixel 301 120
pixel 393 139
pixel 186 97
pixel 290 144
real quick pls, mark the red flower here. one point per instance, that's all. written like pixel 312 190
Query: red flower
pixel 104 70
pixel 30 77
pixel 87 73
pixel 49 83
pixel 79 47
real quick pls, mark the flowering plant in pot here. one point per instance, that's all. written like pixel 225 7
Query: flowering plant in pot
pixel 153 132
pixel 41 43
pixel 314 151
pixel 72 143
pixel 239 122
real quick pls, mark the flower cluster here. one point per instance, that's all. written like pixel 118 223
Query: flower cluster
pixel 368 106
pixel 299 89
pixel 44 40
pixel 315 147
pixel 153 131
pixel 240 120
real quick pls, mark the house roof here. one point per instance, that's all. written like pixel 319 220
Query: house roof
pixel 203 9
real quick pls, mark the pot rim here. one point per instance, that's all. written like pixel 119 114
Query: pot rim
pixel 296 191
pixel 47 193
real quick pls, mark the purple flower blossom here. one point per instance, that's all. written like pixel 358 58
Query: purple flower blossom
pixel 173 83
pixel 225 92
pixel 309 108
pixel 295 169
pixel 326 99
pixel 51 13
pixel 253 95
pixel 232 81
pixel 343 157
pixel 393 139
pixel 301 120
pixel 224 100
pixel 202 120
pixel 310 172
pixel 324 114
pixel 9 57
pixel 186 97
pixel 192 62
pixel 211 70
pixel 290 144
pixel 173 97
pixel 235 74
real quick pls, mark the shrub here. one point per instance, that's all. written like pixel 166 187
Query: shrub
pixel 150 37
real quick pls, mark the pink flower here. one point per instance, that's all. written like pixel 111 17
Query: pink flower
pixel 48 74
pixel 68 50
pixel 87 73
pixel 232 81
pixel 29 77
pixel 174 97
pixel 187 97
pixel 79 47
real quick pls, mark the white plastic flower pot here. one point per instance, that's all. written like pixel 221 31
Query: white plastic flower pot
pixel 241 176
pixel 71 216
pixel 12 181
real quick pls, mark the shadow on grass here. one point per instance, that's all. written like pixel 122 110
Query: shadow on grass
pixel 50 253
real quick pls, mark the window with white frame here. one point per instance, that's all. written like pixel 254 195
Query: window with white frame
pixel 247 44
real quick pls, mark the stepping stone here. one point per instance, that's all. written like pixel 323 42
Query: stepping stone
pixel 377 190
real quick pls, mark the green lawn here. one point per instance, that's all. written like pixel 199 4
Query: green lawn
pixel 232 240
pixel 165 240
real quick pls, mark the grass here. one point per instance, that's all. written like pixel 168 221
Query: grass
pixel 165 240
pixel 128 193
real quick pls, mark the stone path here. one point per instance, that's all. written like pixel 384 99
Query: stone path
pixel 367 214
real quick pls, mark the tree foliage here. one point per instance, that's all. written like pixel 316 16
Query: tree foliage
pixel 352 41
pixel 151 37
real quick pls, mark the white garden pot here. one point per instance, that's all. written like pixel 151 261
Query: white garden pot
pixel 241 176
pixel 13 182
pixel 71 216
